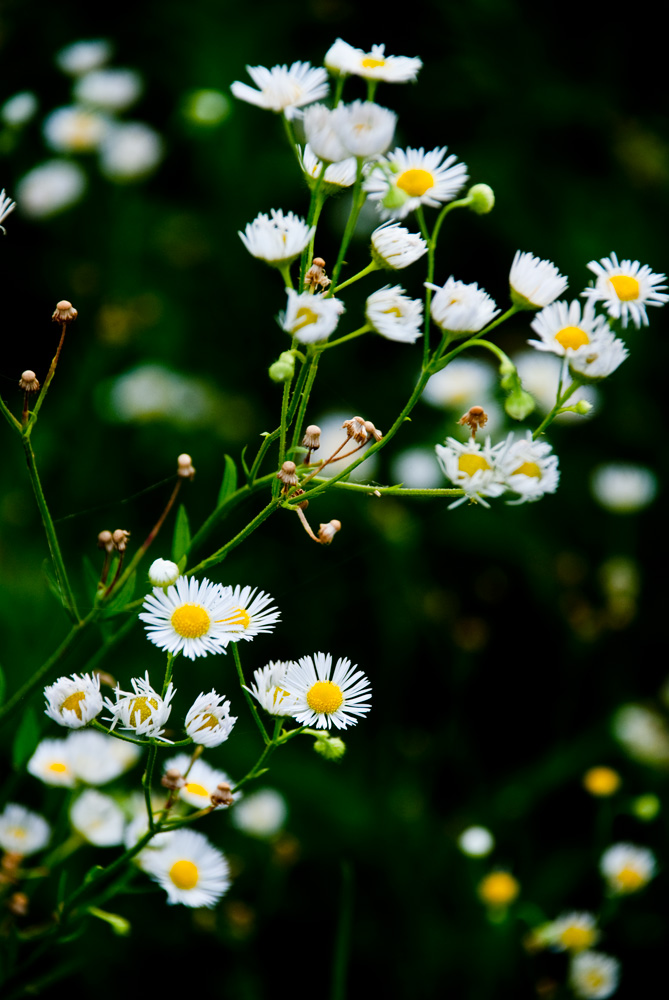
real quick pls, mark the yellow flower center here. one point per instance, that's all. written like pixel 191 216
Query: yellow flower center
pixel 415 182
pixel 208 722
pixel 601 781
pixel 594 980
pixel 184 874
pixel 71 703
pixel 625 287
pixel 393 311
pixel 528 469
pixel 629 879
pixel 17 831
pixel 577 938
pixel 85 132
pixel 191 621
pixel 499 889
pixel 370 63
pixel 238 617
pixel 572 336
pixel 143 705
pixel 279 695
pixel 196 789
pixel 58 767
pixel 469 464
pixel 307 317
pixel 324 696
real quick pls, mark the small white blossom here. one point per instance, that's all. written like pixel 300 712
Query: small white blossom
pixel 337 176
pixel 573 932
pixel 201 782
pixel 208 720
pixel 130 151
pixel 74 129
pixel 189 617
pixel 318 122
pixel 327 696
pixel 111 89
pixel 97 759
pixel 189 869
pixel 261 814
pixel 343 59
pixel 476 841
pixel 7 206
pixel 50 188
pixel 19 109
pixel 269 688
pixel 564 328
pixel 643 734
pixel 283 89
pixel 528 468
pixel 98 818
pixel 623 488
pixel 472 467
pixel 395 247
pixel 599 359
pixel 277 239
pixel 52 764
pixel 627 868
pixel 74 701
pixel 22 831
pixel 163 573
pixel 310 318
pixel 534 283
pixel 142 710
pixel 82 57
pixel 364 128
pixel 626 288
pixel 394 315
pixel 593 975
pixel 460 308
pixel 409 178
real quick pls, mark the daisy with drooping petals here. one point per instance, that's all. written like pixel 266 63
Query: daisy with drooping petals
pixel 626 288
pixel 564 327
pixel 74 701
pixel 364 128
pixel 283 89
pixel 534 283
pixel 337 175
pixel 325 697
pixel 208 720
pixel 143 710
pixel 189 617
pixel 394 315
pixel 52 763
pixel 627 868
pixel 6 206
pixel 310 318
pixel 460 309
pixel 201 783
pixel 593 975
pixel 269 688
pixel 472 467
pixel 22 831
pixel 277 240
pixel 189 869
pixel 345 60
pixel 98 818
pixel 409 178
pixel 394 247
pixel 572 932
pixel 528 468
pixel 252 612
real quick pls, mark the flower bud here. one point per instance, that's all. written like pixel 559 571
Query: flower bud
pixel 582 407
pixel 120 539
pixel 28 381
pixel 287 474
pixel 283 369
pixel 330 747
pixel 646 807
pixel 185 466
pixel 482 198
pixel 163 572
pixel 519 404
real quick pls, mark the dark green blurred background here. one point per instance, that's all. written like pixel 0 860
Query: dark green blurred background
pixel 494 662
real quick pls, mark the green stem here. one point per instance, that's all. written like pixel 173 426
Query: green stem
pixel 439 362
pixel 139 743
pixel 285 274
pixel 372 266
pixel 9 417
pixel 342 340
pixel 570 390
pixel 391 491
pixel 235 498
pixel 221 553
pixel 267 752
pixel 249 698
pixel 305 396
pixel 69 602
pixel 316 203
pixel 290 135
pixel 356 205
pixel 47 381
pixel 283 429
pixel 257 462
pixel 147 778
pixel 339 89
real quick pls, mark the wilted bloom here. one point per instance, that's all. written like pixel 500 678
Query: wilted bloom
pixel 260 814
pixel 130 151
pixel 476 841
pixel 98 818
pixel 461 309
pixel 409 178
pixel 22 831
pixel 189 617
pixel 627 868
pixel 626 288
pixel 593 975
pixel 343 59
pixel 277 239
pixel 50 188
pixel 325 696
pixel 208 720
pixel 74 701
pixel 283 89
pixel 623 488
pixel 310 318
pixel 534 283
pixel 112 89
pixel 189 869
pixel 394 315
pixel 143 710
pixel 394 247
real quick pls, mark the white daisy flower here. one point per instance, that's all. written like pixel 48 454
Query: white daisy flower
pixel 409 178
pixel 112 89
pixel 208 720
pixel 22 831
pixel 643 734
pixel 189 869
pixel 7 206
pixel 534 283
pixel 563 328
pixel 163 573
pixel 19 109
pixel 142 711
pixel 472 467
pixel 277 240
pixel 283 89
pixel 50 188
pixel 310 318
pixel 416 468
pixel 528 468
pixel 476 841
pixel 261 814
pixel 51 763
pixel 98 818
pixel 130 151
pixel 460 308
pixel 82 57
pixel 253 612
pixel 325 697
pixel 394 247
pixel 318 123
pixel 97 759
pixel 189 617
pixel 462 383
pixel 539 372
pixel 74 129
pixel 343 59
pixel 394 315
pixel 269 688
pixel 337 176
pixel 74 701
pixel 598 359
pixel 626 288
pixel 623 488
pixel 593 975
pixel 364 128
pixel 573 932
pixel 627 868
pixel 201 783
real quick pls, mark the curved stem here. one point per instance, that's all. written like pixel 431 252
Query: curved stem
pixel 549 418
pixel 249 697
pixel 221 553
pixel 372 266
pixel 257 462
pixel 342 340
pixel 47 381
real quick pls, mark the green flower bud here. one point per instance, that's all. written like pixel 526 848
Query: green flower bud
pixel 519 404
pixel 330 747
pixel 482 198
pixel 646 807
pixel 283 369
pixel 395 197
pixel 582 407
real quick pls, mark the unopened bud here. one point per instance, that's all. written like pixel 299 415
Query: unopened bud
pixel 395 197
pixel 222 796
pixel 482 199
pixel 105 541
pixel 28 381
pixel 185 466
pixel 519 404
pixel 172 779
pixel 163 572
pixel 120 539
pixel 646 807
pixel 326 532
pixel 372 431
pixel 582 407
pixel 330 747
pixel 283 369
pixel 312 437
pixel 287 474
pixel 64 312
pixel 355 428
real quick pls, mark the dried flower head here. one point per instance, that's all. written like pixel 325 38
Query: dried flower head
pixel 372 430
pixel 185 467
pixel 222 795
pixel 326 532
pixel 312 437
pixel 120 539
pixel 287 474
pixel 64 312
pixel 105 541
pixel 474 418
pixel 28 381
pixel 355 428
pixel 316 277
pixel 173 779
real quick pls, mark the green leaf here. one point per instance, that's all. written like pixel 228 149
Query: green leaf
pixel 247 471
pixel 91 579
pixel 120 598
pixel 52 582
pixel 181 541
pixel 26 739
pixel 3 685
pixel 229 484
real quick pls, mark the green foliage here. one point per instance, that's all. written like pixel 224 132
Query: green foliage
pixel 26 739
pixel 229 484
pixel 181 539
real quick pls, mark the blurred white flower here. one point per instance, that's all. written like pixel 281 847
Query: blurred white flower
pixel 84 56
pixel 283 89
pixel 74 129
pixel 623 489
pixel 344 59
pixel 98 818
pixel 51 763
pixel 97 759
pixel 534 283
pixel 461 384
pixel 50 188
pixel 22 831
pixel 476 841
pixel 130 152
pixel 417 468
pixel 19 109
pixel 261 814
pixel 643 734
pixel 364 128
pixel 111 89
pixel 593 975
pixel 151 392
pixel 206 108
